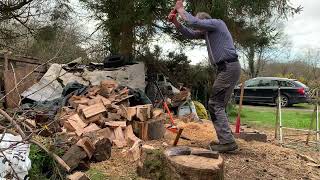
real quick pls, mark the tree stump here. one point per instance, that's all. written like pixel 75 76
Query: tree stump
pixel 193 167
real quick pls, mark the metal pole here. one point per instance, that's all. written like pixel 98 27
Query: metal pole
pixel 280 116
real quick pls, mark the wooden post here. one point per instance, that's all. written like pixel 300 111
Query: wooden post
pixel 6 62
pixel 277 121
pixel 317 119
pixel 311 123
pixel 280 115
pixel 238 120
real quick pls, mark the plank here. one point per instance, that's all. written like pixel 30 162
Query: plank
pixel 13 98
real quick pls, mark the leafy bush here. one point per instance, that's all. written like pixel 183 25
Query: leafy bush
pixel 43 167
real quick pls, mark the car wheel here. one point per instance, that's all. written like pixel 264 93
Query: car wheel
pixel 284 101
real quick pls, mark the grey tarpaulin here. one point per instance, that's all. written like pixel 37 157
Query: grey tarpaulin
pixel 51 85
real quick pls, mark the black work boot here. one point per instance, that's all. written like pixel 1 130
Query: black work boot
pixel 224 147
pixel 214 143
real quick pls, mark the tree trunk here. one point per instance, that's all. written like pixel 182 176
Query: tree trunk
pixel 192 166
pixel 251 61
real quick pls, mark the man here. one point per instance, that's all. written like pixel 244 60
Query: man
pixel 222 54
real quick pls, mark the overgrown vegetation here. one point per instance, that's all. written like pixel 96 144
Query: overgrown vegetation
pixel 43 167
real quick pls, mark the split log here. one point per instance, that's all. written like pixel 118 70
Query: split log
pixel 134 152
pixel 80 108
pixel 102 151
pixel 107 87
pixel 74 156
pixel 93 110
pixel 119 138
pixel 131 112
pixel 91 128
pixel 95 118
pixel 87 145
pixel 150 130
pixel 156 129
pixel 193 166
pixel 143 112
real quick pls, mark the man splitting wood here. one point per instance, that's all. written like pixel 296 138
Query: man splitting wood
pixel 223 55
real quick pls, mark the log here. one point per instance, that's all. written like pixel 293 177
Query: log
pixel 93 110
pixel 149 130
pixel 102 151
pixel 74 156
pixel 193 166
pixel 87 145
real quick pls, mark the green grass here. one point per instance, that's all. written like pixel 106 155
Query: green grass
pixel 267 117
pixel 95 174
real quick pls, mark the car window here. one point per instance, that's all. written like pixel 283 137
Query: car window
pixel 274 83
pixel 252 83
pixel 300 84
pixel 264 83
pixel 286 84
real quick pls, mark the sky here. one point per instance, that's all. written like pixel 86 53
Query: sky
pixel 302 30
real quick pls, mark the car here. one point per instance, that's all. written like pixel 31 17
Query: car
pixel 265 90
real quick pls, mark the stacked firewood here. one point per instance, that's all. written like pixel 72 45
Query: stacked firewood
pixel 101 118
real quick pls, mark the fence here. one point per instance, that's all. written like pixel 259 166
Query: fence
pixel 314 96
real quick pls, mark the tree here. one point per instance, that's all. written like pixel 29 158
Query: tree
pixel 130 24
pixel 127 24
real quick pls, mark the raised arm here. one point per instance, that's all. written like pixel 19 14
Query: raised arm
pixel 204 24
pixel 186 32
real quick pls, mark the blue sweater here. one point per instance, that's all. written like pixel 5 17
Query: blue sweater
pixel 218 38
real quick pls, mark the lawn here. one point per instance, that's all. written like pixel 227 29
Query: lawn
pixel 266 117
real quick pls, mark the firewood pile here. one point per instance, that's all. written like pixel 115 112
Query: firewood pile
pixel 102 118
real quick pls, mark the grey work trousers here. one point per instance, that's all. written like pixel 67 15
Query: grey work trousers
pixel 228 75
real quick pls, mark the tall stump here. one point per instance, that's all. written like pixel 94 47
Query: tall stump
pixel 182 164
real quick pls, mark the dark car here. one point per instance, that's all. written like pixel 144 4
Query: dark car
pixel 265 90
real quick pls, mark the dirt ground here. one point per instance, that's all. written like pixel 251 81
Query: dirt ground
pixel 254 160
